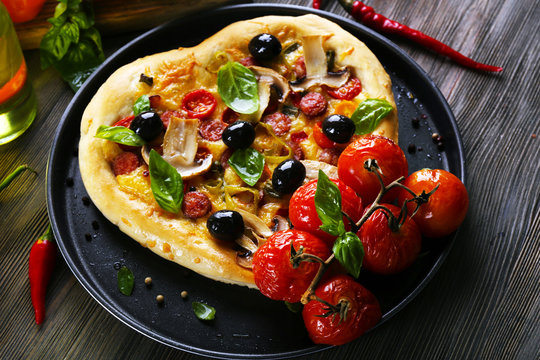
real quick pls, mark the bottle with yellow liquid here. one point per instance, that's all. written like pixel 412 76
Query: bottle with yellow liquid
pixel 18 104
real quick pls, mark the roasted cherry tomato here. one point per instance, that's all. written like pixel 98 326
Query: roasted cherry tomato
pixel 387 251
pixel 389 156
pixel 303 214
pixel 320 138
pixel 446 207
pixel 199 104
pixel 349 91
pixel 363 312
pixel 23 10
pixel 272 269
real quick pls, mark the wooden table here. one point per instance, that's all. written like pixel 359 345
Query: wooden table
pixel 484 303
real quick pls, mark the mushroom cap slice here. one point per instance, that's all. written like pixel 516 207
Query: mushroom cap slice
pixel 180 148
pixel 313 167
pixel 316 67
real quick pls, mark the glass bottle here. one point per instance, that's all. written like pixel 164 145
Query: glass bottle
pixel 18 105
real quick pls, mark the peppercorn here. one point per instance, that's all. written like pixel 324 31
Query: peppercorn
pixel 160 299
pixel 148 281
pixel 184 294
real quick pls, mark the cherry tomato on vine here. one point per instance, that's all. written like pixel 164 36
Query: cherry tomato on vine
pixel 363 312
pixel 387 251
pixel 446 207
pixel 199 103
pixel 390 159
pixel 23 10
pixel 349 91
pixel 272 269
pixel 303 214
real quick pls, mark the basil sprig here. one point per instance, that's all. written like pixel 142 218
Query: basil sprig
pixel 142 104
pixel 328 205
pixel 203 311
pixel 166 183
pixel 248 164
pixel 237 86
pixel 119 134
pixel 125 281
pixel 72 45
pixel 368 114
pixel 348 248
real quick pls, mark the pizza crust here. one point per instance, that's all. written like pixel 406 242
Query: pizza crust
pixel 185 241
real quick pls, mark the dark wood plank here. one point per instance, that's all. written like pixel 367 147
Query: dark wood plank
pixel 482 304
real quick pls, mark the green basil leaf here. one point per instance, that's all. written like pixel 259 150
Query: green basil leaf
pixel 237 86
pixel 349 251
pixel 203 311
pixel 142 104
pixel 120 135
pixel 368 114
pixel 166 183
pixel 294 307
pixel 328 205
pixel 82 20
pixel 125 281
pixel 248 164
pixel 56 43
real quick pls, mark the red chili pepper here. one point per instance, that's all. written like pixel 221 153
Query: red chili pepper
pixel 369 17
pixel 40 267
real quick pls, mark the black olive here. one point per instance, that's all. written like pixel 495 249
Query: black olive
pixel 288 176
pixel 338 128
pixel 226 225
pixel 264 47
pixel 239 135
pixel 147 125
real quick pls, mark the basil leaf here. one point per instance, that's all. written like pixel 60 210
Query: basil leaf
pixel 166 183
pixel 368 114
pixel 203 311
pixel 125 281
pixel 349 251
pixel 142 104
pixel 328 205
pixel 120 135
pixel 294 307
pixel 248 164
pixel 237 86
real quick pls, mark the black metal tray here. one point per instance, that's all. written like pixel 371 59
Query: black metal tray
pixel 247 324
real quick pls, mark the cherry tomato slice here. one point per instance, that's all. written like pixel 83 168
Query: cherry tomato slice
pixel 320 138
pixel 363 312
pixel 199 103
pixel 446 207
pixel 349 91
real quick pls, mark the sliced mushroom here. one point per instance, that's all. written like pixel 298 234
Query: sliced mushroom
pixel 266 80
pixel 280 223
pixel 313 167
pixel 254 236
pixel 316 67
pixel 180 148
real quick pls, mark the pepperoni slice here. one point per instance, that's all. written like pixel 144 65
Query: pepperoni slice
pixel 155 101
pixel 166 117
pixel 313 104
pixel 299 67
pixel 349 91
pixel 298 137
pixel 224 160
pixel 320 138
pixel 196 204
pixel 330 156
pixel 125 163
pixel 297 152
pixel 229 116
pixel 199 104
pixel 281 123
pixel 212 129
pixel 248 61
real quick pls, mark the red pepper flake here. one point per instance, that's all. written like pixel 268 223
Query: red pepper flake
pixel 368 16
pixel 40 267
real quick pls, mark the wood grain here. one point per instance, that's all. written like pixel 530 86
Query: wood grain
pixel 484 302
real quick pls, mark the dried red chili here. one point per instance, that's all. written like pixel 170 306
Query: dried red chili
pixel 369 17
pixel 40 267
